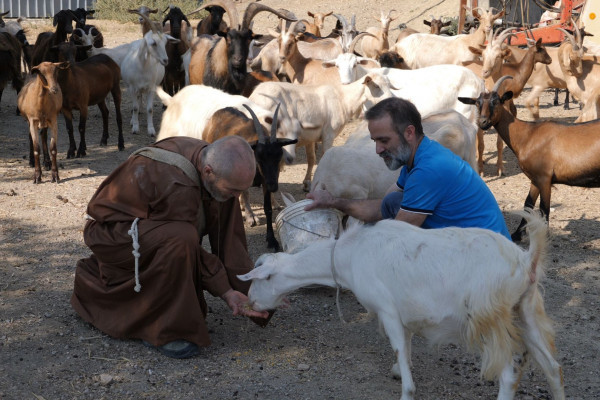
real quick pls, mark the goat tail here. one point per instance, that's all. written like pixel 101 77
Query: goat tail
pixel 538 243
pixel 164 96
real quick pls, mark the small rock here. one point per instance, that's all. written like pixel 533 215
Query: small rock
pixel 303 367
pixel 105 379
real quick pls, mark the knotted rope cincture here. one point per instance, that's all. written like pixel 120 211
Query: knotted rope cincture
pixel 133 232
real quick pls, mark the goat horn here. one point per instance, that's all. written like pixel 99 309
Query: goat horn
pixel 257 126
pixel 255 8
pixel 292 28
pixel 229 8
pixel 505 34
pixel 4 13
pixel 577 32
pixel 274 125
pixel 342 20
pixel 148 20
pixel 499 82
pixel 355 40
pixel 570 37
pixel 168 7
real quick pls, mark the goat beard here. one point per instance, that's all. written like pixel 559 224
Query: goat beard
pixel 396 158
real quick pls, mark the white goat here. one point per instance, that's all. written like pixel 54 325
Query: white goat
pixel 434 88
pixel 142 69
pixel 190 109
pixel 324 110
pixel 355 170
pixel 424 49
pixel 468 286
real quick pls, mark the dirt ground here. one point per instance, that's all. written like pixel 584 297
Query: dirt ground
pixel 306 352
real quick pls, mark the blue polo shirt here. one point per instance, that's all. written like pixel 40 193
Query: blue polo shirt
pixel 446 188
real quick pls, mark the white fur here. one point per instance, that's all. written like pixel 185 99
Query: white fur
pixel 323 110
pixel 142 69
pixel 454 285
pixel 355 170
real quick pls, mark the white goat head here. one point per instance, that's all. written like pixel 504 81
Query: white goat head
pixel 347 63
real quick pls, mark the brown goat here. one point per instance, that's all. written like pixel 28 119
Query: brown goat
pixel 520 71
pixel 268 151
pixel 84 84
pixel 40 102
pixel 548 152
pixel 221 62
pixel 317 24
pixel 436 25
pixel 212 23
pixel 42 49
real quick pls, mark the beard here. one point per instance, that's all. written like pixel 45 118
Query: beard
pixel 211 188
pixel 398 158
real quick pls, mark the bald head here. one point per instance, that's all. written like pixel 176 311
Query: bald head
pixel 230 156
pixel 228 167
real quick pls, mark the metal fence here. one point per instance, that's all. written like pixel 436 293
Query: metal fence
pixel 40 8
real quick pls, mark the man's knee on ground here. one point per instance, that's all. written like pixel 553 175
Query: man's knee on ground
pixel 391 205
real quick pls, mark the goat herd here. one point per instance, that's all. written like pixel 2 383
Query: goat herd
pixel 295 85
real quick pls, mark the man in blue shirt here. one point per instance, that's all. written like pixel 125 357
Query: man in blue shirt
pixel 436 188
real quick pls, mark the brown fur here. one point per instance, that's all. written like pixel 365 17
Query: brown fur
pixel 40 102
pixel 548 152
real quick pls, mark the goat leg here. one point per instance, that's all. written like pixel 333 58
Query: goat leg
pixel 556 91
pixel 44 137
pixel 31 151
pixel 53 150
pixel 116 94
pixel 104 112
pixel 398 339
pixel 272 242
pixel 566 106
pixel 311 158
pixel 82 121
pixel 34 147
pixel 68 114
pixel 530 201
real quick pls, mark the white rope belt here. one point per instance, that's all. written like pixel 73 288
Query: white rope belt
pixel 133 232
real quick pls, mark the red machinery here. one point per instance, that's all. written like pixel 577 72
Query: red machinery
pixel 549 33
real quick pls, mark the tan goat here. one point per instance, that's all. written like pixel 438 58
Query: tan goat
pixel 40 102
pixel 373 46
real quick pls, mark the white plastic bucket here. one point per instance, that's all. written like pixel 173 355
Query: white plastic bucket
pixel 297 228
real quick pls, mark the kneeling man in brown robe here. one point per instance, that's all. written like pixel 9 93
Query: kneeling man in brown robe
pixel 146 276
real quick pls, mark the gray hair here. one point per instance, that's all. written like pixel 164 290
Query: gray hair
pixel 402 112
pixel 228 155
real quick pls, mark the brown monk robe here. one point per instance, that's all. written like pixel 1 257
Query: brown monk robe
pixel 174 269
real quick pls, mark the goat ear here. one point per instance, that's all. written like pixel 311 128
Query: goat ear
pixel 475 50
pixel 428 23
pixel 286 142
pixel 447 23
pixel 467 100
pixel 506 53
pixel 364 61
pixel 311 14
pixel 506 96
pixel 64 65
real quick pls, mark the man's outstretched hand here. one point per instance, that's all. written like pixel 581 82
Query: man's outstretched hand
pixel 238 303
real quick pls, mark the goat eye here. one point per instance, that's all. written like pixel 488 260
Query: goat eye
pixel 268 277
